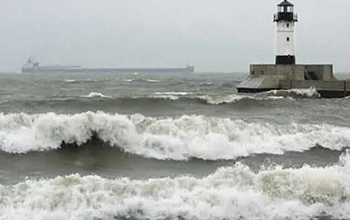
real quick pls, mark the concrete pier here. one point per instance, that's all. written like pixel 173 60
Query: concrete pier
pixel 264 77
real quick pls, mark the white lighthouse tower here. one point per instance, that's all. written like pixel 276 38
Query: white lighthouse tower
pixel 285 20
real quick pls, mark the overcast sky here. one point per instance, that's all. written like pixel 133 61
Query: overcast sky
pixel 213 35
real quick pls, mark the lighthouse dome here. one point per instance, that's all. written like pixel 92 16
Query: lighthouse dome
pixel 285 12
pixel 285 3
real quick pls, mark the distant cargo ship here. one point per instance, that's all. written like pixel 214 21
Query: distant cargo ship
pixel 34 67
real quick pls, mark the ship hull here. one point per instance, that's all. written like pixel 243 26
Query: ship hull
pixel 111 70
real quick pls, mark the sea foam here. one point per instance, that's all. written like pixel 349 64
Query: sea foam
pixel 230 193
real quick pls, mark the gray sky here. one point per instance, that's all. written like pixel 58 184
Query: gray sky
pixel 213 35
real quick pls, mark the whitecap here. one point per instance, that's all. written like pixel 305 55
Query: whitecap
pixel 233 98
pixel 170 97
pixel 70 80
pixel 129 80
pixel 96 94
pixel 173 93
pixel 153 80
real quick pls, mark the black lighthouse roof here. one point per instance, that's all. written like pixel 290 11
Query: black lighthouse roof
pixel 285 3
pixel 285 12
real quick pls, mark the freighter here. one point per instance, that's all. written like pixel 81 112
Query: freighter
pixel 34 67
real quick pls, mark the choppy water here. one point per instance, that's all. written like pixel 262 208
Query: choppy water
pixel 160 146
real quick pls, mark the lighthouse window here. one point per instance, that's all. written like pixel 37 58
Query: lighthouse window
pixel 287 38
pixel 287 25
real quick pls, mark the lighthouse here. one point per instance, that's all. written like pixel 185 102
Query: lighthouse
pixel 285 74
pixel 285 20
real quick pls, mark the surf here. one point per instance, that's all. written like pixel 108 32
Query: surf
pixel 232 192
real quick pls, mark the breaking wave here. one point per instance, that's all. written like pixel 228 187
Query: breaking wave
pixel 264 96
pixel 230 193
pixel 129 80
pixel 310 92
pixel 78 80
pixel 70 80
pixel 233 98
pixel 170 95
pixel 173 93
pixel 153 80
pixel 180 138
